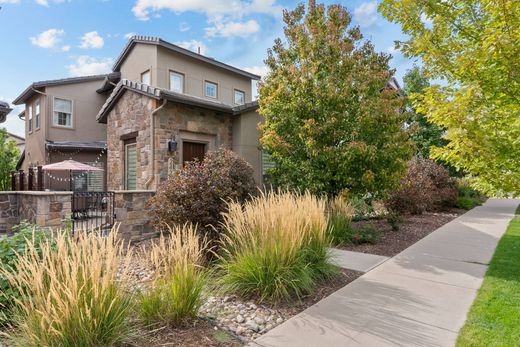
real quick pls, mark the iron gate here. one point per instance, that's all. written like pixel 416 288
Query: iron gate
pixel 92 211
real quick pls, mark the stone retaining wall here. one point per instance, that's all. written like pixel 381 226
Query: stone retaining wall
pixel 47 209
pixel 132 216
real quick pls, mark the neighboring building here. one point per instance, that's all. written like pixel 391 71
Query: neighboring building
pixel 163 105
pixel 60 124
pixel 20 141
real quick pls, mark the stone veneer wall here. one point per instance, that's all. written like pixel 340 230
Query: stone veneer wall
pixel 47 209
pixel 132 114
pixel 132 216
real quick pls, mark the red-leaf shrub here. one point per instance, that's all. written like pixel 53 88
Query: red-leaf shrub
pixel 426 186
pixel 198 192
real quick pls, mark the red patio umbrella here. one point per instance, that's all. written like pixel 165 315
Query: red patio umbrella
pixel 70 165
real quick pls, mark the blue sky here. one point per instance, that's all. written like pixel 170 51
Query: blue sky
pixel 50 39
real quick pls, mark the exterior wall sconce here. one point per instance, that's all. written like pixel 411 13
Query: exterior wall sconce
pixel 172 146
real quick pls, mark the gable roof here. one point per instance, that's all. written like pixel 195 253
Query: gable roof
pixel 15 136
pixel 30 90
pixel 174 48
pixel 164 94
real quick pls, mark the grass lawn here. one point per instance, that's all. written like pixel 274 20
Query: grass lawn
pixel 494 318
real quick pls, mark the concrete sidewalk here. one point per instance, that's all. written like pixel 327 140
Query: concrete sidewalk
pixel 418 298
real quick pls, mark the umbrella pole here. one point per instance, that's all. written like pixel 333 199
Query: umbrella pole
pixel 70 181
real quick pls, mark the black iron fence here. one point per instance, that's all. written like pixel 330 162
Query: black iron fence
pixel 92 211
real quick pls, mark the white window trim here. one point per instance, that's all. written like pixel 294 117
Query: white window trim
pixel 149 72
pixel 243 94
pixel 183 86
pixel 30 117
pixel 71 114
pixel 37 124
pixel 208 96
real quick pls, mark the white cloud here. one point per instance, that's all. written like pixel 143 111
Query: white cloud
pixel 211 8
pixel 184 27
pixel 193 45
pixel 427 21
pixel 366 14
pixel 128 36
pixel 86 65
pixel 230 29
pixel 393 50
pixel 48 39
pixel 9 1
pixel 65 48
pixel 260 70
pixel 46 2
pixel 91 40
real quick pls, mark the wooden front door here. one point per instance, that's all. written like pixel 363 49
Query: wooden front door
pixel 192 151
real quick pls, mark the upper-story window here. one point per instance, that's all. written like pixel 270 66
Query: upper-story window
pixel 176 82
pixel 210 89
pixel 146 77
pixel 37 113
pixel 62 112
pixel 30 117
pixel 240 97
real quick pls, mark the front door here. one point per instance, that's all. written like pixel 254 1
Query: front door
pixel 192 151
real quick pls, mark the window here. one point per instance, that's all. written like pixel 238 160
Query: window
pixel 240 97
pixel 62 113
pixel 37 114
pixel 176 82
pixel 131 166
pixel 210 89
pixel 29 118
pixel 146 77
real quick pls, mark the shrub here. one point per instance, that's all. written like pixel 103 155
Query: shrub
pixel 467 196
pixel 393 220
pixel 198 192
pixel 70 292
pixel 10 247
pixel 368 234
pixel 426 186
pixel 176 294
pixel 340 218
pixel 465 203
pixel 275 246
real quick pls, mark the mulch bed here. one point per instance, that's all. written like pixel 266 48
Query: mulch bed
pixel 412 228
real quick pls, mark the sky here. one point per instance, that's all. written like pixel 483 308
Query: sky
pixel 51 39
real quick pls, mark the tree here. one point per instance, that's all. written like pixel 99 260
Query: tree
pixel 472 45
pixel 331 122
pixel 9 155
pixel 425 134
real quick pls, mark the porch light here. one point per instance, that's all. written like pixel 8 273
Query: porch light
pixel 172 145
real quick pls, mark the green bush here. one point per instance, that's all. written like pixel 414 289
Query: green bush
pixel 465 203
pixel 198 192
pixel 340 218
pixel 275 246
pixel 468 197
pixel 393 220
pixel 176 294
pixel 367 234
pixel 10 247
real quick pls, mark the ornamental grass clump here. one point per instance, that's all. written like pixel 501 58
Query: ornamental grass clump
pixel 176 293
pixel 72 292
pixel 341 213
pixel 275 246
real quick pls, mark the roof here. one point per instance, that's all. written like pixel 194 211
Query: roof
pixel 30 90
pixel 15 136
pixel 4 111
pixel 163 94
pixel 174 48
pixel 90 145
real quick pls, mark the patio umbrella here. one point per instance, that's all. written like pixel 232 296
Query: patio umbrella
pixel 70 165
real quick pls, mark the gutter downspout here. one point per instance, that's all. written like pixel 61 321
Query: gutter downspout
pixel 152 142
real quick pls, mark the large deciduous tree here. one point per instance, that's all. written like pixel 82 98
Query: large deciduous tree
pixel 472 45
pixel 331 122
pixel 425 134
pixel 9 155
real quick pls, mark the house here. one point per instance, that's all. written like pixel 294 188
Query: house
pixel 162 105
pixel 20 141
pixel 60 123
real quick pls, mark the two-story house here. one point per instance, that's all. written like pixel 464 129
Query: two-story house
pixel 60 124
pixel 161 106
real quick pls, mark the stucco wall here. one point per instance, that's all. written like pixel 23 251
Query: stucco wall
pixel 246 140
